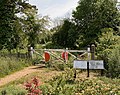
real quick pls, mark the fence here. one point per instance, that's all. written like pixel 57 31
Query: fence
pixel 16 55
pixel 46 54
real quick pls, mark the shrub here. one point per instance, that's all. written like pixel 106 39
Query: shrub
pixel 65 84
pixel 114 63
pixel 107 50
pixel 106 42
pixel 61 66
pixel 98 86
pixel 60 85
pixel 32 87
pixel 37 61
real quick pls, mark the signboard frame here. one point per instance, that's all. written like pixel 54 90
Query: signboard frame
pixel 93 64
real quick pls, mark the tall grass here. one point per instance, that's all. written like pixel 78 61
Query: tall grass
pixel 13 90
pixel 9 65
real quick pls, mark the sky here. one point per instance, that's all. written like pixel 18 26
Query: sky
pixel 54 8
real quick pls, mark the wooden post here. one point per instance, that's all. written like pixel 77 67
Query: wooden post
pixel 66 55
pixel 30 52
pixel 92 51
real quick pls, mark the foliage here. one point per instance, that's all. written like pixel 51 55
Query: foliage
pixel 61 66
pixel 60 85
pixel 114 62
pixel 65 36
pixel 65 84
pixel 20 25
pixel 9 65
pixel 106 42
pixel 13 90
pixel 35 27
pixel 10 26
pixel 33 87
pixel 37 61
pixel 91 16
pixel 7 11
pixel 99 86
pixel 50 45
pixel 108 50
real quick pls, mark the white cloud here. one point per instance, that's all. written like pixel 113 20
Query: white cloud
pixel 54 8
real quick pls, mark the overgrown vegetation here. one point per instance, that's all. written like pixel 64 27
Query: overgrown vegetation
pixel 114 63
pixel 10 65
pixel 13 90
pixel 93 22
pixel 108 47
pixel 65 84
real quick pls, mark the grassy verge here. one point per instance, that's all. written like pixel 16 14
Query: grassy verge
pixel 12 88
pixel 10 65
pixel 63 83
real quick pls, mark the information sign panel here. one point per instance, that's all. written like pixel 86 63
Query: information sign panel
pixel 80 64
pixel 93 64
pixel 96 64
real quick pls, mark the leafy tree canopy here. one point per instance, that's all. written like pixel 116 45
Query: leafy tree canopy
pixel 65 35
pixel 91 16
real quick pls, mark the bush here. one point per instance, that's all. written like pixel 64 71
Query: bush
pixel 107 50
pixel 32 87
pixel 114 63
pixel 37 61
pixel 65 84
pixel 98 86
pixel 106 42
pixel 60 85
pixel 61 66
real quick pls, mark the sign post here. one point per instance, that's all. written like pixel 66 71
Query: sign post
pixel 87 68
pixel 88 61
pixel 87 65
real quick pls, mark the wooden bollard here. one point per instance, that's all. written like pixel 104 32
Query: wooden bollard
pixel 92 52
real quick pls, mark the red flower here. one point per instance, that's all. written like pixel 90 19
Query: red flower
pixel 28 85
pixel 32 87
pixel 35 81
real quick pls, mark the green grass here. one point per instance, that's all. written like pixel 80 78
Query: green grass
pixel 13 90
pixel 10 65
pixel 59 85
pixel 65 84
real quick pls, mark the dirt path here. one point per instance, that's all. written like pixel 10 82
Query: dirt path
pixel 18 75
pixel 29 70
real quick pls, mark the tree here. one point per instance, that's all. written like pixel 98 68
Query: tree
pixel 65 36
pixel 20 25
pixel 7 11
pixel 34 26
pixel 10 26
pixel 91 16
